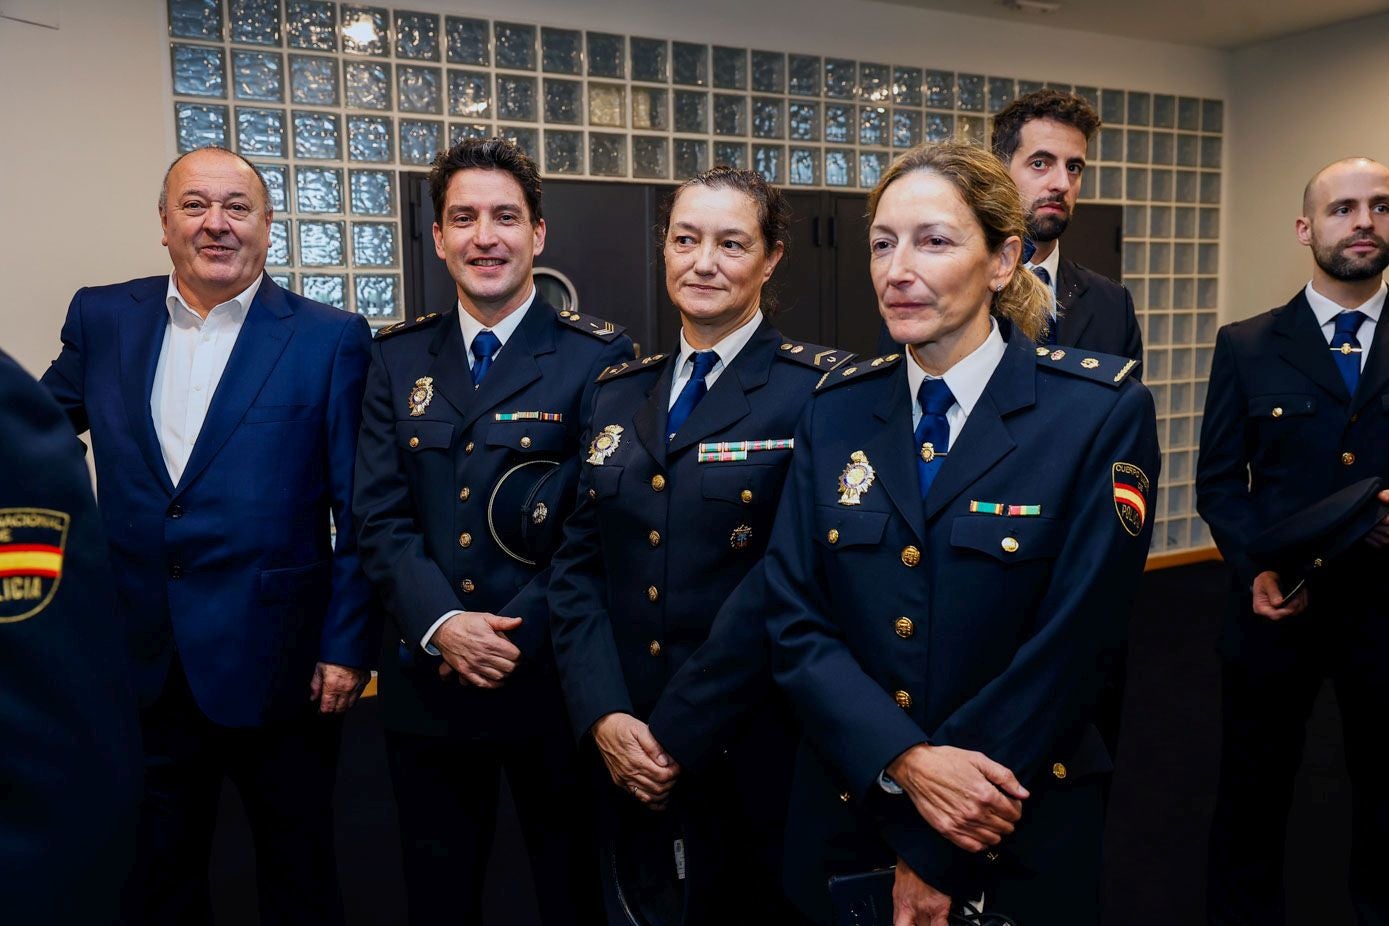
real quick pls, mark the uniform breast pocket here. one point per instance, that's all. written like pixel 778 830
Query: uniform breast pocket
pixel 742 484
pixel 1008 540
pixel 603 481
pixel 418 435
pixel 527 436
pixel 1289 407
pixel 841 529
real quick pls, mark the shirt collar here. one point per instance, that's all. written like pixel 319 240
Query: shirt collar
pixel 503 329
pixel 234 308
pixel 969 376
pixel 1326 310
pixel 727 349
pixel 1051 264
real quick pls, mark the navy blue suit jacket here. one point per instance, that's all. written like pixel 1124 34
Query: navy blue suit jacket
pixel 1096 313
pixel 897 621
pixel 424 481
pixel 234 567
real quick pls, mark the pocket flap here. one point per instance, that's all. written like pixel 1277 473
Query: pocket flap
pixel 424 434
pixel 309 581
pixel 839 527
pixel 1278 406
pixel 1009 540
pixel 527 436
pixel 728 481
pixel 603 480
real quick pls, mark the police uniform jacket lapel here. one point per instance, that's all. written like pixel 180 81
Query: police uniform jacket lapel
pixel 1074 312
pixel 727 399
pixel 1302 344
pixel 892 447
pixel 1374 377
pixel 515 366
pixel 142 338
pixel 650 420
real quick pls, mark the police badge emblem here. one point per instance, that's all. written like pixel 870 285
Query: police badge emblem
pixel 421 395
pixel 605 444
pixel 741 537
pixel 32 544
pixel 1130 496
pixel 856 479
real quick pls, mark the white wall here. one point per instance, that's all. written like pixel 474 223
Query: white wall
pixel 88 115
pixel 1298 103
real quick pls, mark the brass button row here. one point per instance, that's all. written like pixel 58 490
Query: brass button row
pixel 465 540
pixel 464 494
pixel 911 556
pixel 904 627
pixel 414 442
pixel 903 699
pixel 468 586
pixel 1348 458
pixel 654 538
pixel 746 496
pixel 525 443
pixel 655 648
pixel 652 593
pixel 658 482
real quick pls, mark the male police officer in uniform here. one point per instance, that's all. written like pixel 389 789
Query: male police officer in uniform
pixel 1298 407
pixel 464 410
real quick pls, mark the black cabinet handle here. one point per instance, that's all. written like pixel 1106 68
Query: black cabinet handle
pixel 815 232
pixel 834 236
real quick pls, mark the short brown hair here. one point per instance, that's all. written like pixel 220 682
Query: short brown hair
pixel 485 154
pixel 773 214
pixel 1065 108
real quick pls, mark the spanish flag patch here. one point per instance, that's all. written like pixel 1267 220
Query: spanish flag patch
pixel 1130 497
pixel 32 541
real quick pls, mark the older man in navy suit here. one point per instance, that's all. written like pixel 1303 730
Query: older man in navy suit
pixel 223 414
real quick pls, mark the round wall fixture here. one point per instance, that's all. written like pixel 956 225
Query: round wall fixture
pixel 556 288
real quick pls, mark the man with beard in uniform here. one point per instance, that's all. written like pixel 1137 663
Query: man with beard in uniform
pixel 1298 408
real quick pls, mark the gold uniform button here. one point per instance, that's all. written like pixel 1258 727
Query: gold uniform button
pixel 911 556
pixel 652 593
pixel 746 496
pixel 592 493
pixel 465 540
pixel 468 586
pixel 525 442
pixel 904 627
pixel 1278 411
pixel 654 538
pixel 1009 544
pixel 414 442
pixel 1059 771
pixel 1348 458
pixel 468 447
pixel 833 535
pixel 903 699
pixel 658 482
pixel 655 648
pixel 464 494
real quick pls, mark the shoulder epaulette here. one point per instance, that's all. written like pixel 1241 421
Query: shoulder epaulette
pixel 653 362
pixel 813 355
pixel 408 325
pixel 856 369
pixel 1087 364
pixel 588 324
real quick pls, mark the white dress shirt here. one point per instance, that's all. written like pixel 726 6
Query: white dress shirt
pixel 191 361
pixel 1052 265
pixel 727 349
pixel 1326 312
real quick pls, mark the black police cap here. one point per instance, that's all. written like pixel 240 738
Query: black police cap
pixel 1307 541
pixel 644 857
pixel 524 510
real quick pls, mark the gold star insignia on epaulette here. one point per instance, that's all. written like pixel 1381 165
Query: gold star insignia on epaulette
pixel 646 361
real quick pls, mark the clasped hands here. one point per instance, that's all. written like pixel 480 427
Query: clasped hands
pixel 636 762
pixel 474 644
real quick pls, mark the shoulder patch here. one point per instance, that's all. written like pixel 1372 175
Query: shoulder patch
pixel 1087 364
pixel 588 324
pixel 408 325
pixel 813 355
pixel 856 369
pixel 652 362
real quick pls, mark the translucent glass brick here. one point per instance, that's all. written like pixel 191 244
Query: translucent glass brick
pixel 1002 91
pixel 607 154
pixel 768 117
pixel 1164 111
pixel 1188 150
pixel 906 86
pixel 564 152
pixel 689 64
pixel 839 169
pixel 516 98
pixel 840 78
pixel 561 51
pixel 1210 188
pixel 277 184
pixel 515 45
pixel 528 140
pixel 691 111
pixel 1159 258
pixel 420 140
pixel 1090 95
pixel 839 121
pixel 1159 223
pixel 650 107
pixel 199 125
pixel 564 102
pixel 373 244
pixel 318 189
pixel 1186 187
pixel 277 255
pixel 1163 186
pixel 1210 151
pixel 803 167
pixel 320 244
pixel 254 22
pixel 1164 147
pixel 260 132
pixel 458 131
pixel 872 125
pixel 1135 221
pixel 1137 146
pixel 418 89
pixel 1160 297
pixel 1140 109
pixel 1111 144
pixel 1184 222
pixel 470 94
pixel 1112 106
pixel 371 192
pixel 327 288
pixel 730 114
pixel 316 135
pixel 971 91
pixel 313 80
pixel 875 82
pixel 195 19
pixel 1210 224
pixel 607 105
pixel 803 75
pixel 1032 86
pixel 770 162
pixel 803 121
pixel 731 153
pixel 1189 114
pixel 940 89
pixel 468 41
pixel 417 36
pixel 1111 183
pixel 871 165
pixel 1182 298
pixel 769 72
pixel 283 280
pixel 971 129
pixel 940 126
pixel 906 128
pixel 650 157
pixel 199 70
pixel 378 295
pixel 365 30
pixel 650 60
pixel 311 24
pixel 258 75
pixel 368 84
pixel 607 55
pixel 1212 116
pixel 691 157
pixel 369 138
pixel 730 68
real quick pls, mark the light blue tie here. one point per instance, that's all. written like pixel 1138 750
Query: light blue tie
pixel 694 390
pixel 484 346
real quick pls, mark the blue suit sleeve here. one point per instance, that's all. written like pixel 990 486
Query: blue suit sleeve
pixel 66 376
pixel 1222 467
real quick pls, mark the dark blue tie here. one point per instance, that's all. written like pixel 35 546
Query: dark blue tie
pixel 694 390
pixel 1055 322
pixel 484 346
pixel 932 431
pixel 1347 348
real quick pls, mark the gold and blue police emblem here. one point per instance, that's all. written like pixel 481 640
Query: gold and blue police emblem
pixel 421 394
pixel 928 452
pixel 856 479
pixel 32 543
pixel 741 537
pixel 604 444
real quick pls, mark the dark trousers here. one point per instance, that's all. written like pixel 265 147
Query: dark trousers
pixel 446 790
pixel 284 771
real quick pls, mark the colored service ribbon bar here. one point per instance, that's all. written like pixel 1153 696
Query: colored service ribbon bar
pixel 736 451
pixel 23 559
pixel 1005 511
pixel 528 416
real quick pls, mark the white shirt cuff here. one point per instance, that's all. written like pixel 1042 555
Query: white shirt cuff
pixel 429 634
pixel 888 785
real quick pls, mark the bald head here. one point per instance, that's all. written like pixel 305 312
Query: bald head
pixel 1315 191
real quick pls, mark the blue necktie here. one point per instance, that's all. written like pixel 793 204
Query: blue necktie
pixel 935 399
pixel 484 346
pixel 1029 247
pixel 1347 348
pixel 694 390
pixel 1054 323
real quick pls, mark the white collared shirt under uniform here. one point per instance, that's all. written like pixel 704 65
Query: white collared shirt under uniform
pixel 1326 311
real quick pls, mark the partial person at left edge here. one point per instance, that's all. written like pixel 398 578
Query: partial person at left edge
pixel 70 769
pixel 223 413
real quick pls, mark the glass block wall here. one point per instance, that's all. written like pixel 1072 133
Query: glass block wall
pixel 331 99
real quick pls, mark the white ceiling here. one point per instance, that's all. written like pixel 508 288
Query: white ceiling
pixel 1210 23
